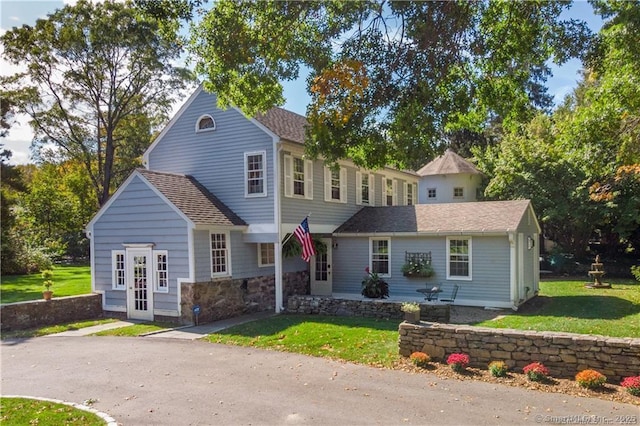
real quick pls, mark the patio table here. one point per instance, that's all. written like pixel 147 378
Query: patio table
pixel 430 293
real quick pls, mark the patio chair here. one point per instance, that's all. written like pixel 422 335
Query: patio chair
pixel 454 293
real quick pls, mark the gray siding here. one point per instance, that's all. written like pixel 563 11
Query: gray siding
pixel 138 215
pixel 490 267
pixel 216 158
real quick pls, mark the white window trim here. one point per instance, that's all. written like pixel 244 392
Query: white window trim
pixel 458 197
pixel 114 275
pixel 457 277
pixel 288 178
pixel 264 174
pixel 209 129
pixel 327 185
pixel 435 191
pixel 388 240
pixel 156 284
pixel 394 191
pixel 414 187
pixel 359 189
pixel 260 263
pixel 227 240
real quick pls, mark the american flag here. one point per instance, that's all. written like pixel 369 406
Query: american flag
pixel 304 236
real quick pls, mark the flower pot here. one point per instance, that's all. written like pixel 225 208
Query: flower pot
pixel 47 294
pixel 412 317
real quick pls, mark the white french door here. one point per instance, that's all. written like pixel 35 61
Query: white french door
pixel 139 284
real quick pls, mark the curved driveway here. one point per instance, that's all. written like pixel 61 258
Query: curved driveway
pixel 141 381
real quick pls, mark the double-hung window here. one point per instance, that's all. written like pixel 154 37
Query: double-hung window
pixel 459 258
pixel 389 192
pixel 364 189
pixel 255 184
pixel 380 250
pixel 335 184
pixel 219 254
pixel 298 177
pixel 118 271
pixel 409 193
pixel 161 271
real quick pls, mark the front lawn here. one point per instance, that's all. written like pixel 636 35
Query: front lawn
pixel 363 340
pixel 67 281
pixel 24 411
pixel 570 307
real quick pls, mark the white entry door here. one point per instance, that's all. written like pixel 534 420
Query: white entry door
pixel 321 284
pixel 139 284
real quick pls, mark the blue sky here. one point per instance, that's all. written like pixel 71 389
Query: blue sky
pixel 18 12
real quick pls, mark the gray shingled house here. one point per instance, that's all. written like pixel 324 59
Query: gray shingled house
pixel 199 230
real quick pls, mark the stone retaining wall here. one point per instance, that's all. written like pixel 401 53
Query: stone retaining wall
pixel 373 308
pixel 37 313
pixel 227 298
pixel 565 354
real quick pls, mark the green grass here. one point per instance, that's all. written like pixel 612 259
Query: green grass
pixel 24 411
pixel 363 340
pixel 136 329
pixel 53 329
pixel 67 281
pixel 570 307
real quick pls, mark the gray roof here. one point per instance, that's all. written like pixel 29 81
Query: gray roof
pixel 192 199
pixel 472 217
pixel 447 164
pixel 285 124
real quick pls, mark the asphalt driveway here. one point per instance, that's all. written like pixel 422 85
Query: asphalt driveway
pixel 162 381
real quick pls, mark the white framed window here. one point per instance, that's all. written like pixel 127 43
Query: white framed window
pixel 219 254
pixel 380 256
pixel 298 177
pixel 205 123
pixel 335 184
pixel 431 193
pixel 118 270
pixel 255 183
pixel 364 189
pixel 161 271
pixel 459 258
pixel 266 254
pixel 458 192
pixel 410 190
pixel 389 192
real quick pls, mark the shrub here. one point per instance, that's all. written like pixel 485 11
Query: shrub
pixel 632 385
pixel 373 286
pixel 498 368
pixel 420 359
pixel 410 307
pixel 536 372
pixel 635 271
pixel 458 362
pixel 591 379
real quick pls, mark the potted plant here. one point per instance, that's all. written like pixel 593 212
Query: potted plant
pixel 46 275
pixel 373 286
pixel 417 268
pixel 411 312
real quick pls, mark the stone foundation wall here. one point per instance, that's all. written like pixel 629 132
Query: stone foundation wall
pixel 226 298
pixel 374 308
pixel 565 354
pixel 37 313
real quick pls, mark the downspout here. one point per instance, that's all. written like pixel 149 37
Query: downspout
pixel 513 274
pixel 278 222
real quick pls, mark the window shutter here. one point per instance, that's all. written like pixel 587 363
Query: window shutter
pixel 405 186
pixel 288 176
pixel 372 192
pixel 395 193
pixel 327 184
pixel 308 179
pixel 358 187
pixel 343 185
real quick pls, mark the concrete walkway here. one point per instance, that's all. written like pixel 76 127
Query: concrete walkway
pixel 183 332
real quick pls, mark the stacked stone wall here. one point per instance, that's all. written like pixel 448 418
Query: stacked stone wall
pixel 565 354
pixel 374 308
pixel 37 313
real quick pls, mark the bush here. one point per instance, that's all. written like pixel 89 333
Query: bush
pixel 591 379
pixel 373 286
pixel 632 385
pixel 635 271
pixel 420 359
pixel 458 362
pixel 536 372
pixel 498 368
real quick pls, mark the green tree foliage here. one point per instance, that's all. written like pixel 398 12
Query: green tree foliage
pixel 388 79
pixel 99 77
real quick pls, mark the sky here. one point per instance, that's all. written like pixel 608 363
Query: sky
pixel 15 13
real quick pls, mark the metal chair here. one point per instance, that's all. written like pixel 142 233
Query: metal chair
pixel 454 293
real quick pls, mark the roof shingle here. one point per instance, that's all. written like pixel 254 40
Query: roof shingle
pixel 193 199
pixel 446 164
pixel 483 216
pixel 285 124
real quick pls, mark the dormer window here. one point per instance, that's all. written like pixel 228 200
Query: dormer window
pixel 205 123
